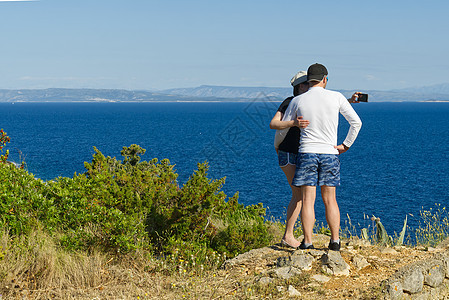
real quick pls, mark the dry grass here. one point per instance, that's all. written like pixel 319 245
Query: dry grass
pixel 35 268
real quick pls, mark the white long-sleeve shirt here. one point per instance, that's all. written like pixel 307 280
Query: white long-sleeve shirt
pixel 322 108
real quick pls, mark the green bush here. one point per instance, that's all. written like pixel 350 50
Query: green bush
pixel 245 230
pixel 4 139
pixel 121 206
pixel 199 214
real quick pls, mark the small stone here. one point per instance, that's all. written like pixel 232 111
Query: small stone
pixel 333 263
pixel 292 292
pixel 399 248
pixel 283 262
pixel 389 251
pixel 314 285
pixel 302 261
pixel 435 275
pixel 412 280
pixel 394 289
pixel 266 280
pixel 321 278
pixel 280 288
pixel 317 253
pixel 356 242
pixel 286 272
pixel 360 262
pixel 444 258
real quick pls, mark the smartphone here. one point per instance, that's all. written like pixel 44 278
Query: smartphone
pixel 363 98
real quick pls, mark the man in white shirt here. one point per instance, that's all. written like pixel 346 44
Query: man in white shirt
pixel 317 162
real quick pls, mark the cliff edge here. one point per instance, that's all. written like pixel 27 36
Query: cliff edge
pixel 359 271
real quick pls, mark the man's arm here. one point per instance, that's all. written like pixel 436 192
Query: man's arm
pixel 354 125
pixel 277 123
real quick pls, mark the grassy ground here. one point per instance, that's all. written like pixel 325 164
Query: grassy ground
pixel 34 267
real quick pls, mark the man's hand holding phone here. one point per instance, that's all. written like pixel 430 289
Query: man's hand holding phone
pixel 358 97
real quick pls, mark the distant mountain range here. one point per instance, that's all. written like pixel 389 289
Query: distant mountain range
pixel 208 93
pixel 99 95
pixel 438 92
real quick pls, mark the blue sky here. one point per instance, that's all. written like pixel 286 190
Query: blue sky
pixel 150 45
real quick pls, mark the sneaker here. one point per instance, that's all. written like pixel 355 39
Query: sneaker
pixel 303 246
pixel 334 246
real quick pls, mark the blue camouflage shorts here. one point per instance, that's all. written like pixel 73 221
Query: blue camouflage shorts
pixel 286 158
pixel 317 169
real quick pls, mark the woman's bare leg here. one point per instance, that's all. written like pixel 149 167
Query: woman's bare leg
pixel 294 207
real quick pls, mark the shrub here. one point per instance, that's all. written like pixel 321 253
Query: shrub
pixel 245 230
pixel 4 139
pixel 121 206
pixel 199 214
pixel 22 202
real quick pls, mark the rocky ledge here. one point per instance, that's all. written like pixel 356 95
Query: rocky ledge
pixel 360 270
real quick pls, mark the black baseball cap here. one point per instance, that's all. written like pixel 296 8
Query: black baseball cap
pixel 316 72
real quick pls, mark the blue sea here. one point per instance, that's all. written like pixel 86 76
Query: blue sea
pixel 398 166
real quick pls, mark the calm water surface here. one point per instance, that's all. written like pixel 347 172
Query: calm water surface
pixel 398 164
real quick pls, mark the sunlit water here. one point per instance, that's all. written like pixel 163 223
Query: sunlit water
pixel 398 164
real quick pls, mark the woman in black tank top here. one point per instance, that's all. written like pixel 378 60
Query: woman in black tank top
pixel 287 151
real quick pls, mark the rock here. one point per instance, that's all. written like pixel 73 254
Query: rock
pixel 389 251
pixel 316 253
pixel 444 258
pixel 286 272
pixel 280 288
pixel 393 289
pixel 292 292
pixel 399 248
pixel 360 262
pixel 412 279
pixel 266 280
pixel 302 261
pixel 283 261
pixel 315 285
pixel 321 278
pixel 434 273
pixel 356 242
pixel 333 263
pixel 254 258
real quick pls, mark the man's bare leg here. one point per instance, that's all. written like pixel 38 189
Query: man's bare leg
pixel 308 212
pixel 332 210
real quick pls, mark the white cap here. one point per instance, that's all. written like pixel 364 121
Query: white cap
pixel 300 77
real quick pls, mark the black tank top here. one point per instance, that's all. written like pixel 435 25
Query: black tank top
pixel 291 140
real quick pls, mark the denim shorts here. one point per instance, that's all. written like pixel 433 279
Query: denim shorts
pixel 317 169
pixel 286 158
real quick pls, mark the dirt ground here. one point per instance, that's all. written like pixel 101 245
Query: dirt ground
pixel 364 283
pixel 240 281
